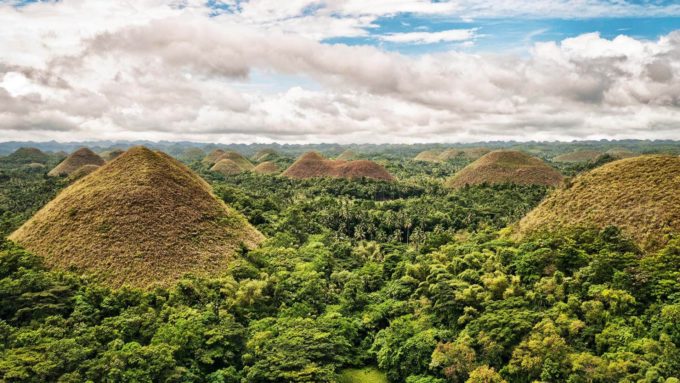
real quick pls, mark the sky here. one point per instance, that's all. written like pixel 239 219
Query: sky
pixel 343 71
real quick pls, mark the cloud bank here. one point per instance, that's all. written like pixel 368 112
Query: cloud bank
pixel 76 70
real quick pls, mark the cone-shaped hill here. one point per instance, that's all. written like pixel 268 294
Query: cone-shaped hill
pixel 226 167
pixel 641 195
pixel 506 166
pixel 428 156
pixel 267 167
pixel 111 154
pixel 213 157
pixel 83 171
pixel 75 161
pixel 313 164
pixel 27 156
pixel 265 155
pixel 347 155
pixel 142 219
pixel 578 156
pixel 241 161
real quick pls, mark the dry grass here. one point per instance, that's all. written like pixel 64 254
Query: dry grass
pixel 313 164
pixel 267 167
pixel 506 166
pixel 83 171
pixel 264 155
pixel 641 195
pixel 226 167
pixel 111 154
pixel 241 161
pixel 75 161
pixel 213 157
pixel 578 156
pixel 143 219
pixel 347 155
pixel 428 156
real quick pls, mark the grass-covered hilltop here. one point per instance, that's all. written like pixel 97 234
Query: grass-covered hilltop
pixel 484 262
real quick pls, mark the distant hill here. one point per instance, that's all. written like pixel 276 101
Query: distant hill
pixel 109 155
pixel 77 159
pixel 428 156
pixel 83 171
pixel 506 166
pixel 237 158
pixel 434 155
pixel 226 167
pixel 143 219
pixel 579 156
pixel 347 155
pixel 213 157
pixel 621 153
pixel 27 156
pixel 265 155
pixel 267 167
pixel 641 195
pixel 313 164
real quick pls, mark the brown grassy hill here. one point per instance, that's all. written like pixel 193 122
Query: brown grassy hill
pixel 73 162
pixel 142 219
pixel 241 161
pixel 506 166
pixel 621 153
pixel 111 154
pixel 226 167
pixel 641 195
pixel 428 156
pixel 347 155
pixel 313 164
pixel 27 156
pixel 579 156
pixel 213 157
pixel 264 155
pixel 475 153
pixel 83 171
pixel 267 167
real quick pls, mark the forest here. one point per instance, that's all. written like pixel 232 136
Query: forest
pixel 357 281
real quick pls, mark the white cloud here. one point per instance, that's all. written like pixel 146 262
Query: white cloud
pixel 430 37
pixel 161 72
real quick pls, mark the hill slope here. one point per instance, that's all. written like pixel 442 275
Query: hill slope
pixel 641 195
pixel 578 156
pixel 237 158
pixel 141 219
pixel 313 164
pixel 27 156
pixel 213 157
pixel 226 167
pixel 267 167
pixel 506 166
pixel 75 161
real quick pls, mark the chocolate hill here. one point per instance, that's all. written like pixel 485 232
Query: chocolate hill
pixel 347 155
pixel 213 157
pixel 111 154
pixel 641 195
pixel 83 171
pixel 143 219
pixel 313 164
pixel 241 161
pixel 506 166
pixel 77 159
pixel 449 154
pixel 578 156
pixel 267 167
pixel 265 155
pixel 226 167
pixel 27 156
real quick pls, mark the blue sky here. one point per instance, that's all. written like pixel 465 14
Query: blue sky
pixel 342 71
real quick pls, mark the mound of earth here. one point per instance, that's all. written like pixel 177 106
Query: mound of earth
pixel 621 153
pixel 267 167
pixel 579 156
pixel 213 157
pixel 193 154
pixel 111 154
pixel 226 167
pixel 428 156
pixel 27 156
pixel 506 166
pixel 313 164
pixel 75 161
pixel 241 161
pixel 144 219
pixel 641 195
pixel 265 155
pixel 347 155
